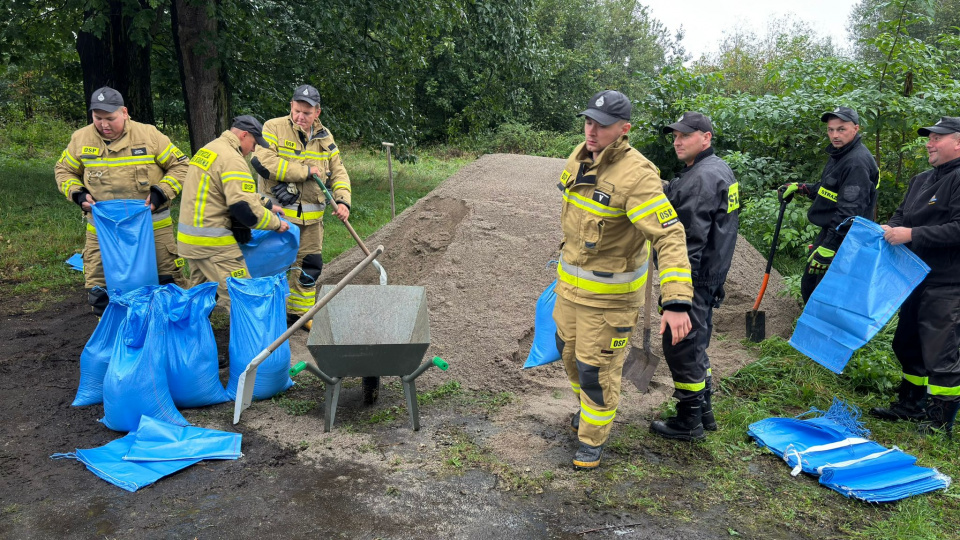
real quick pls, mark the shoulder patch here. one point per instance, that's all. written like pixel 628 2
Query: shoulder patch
pixel 332 147
pixel 204 159
pixel 733 197
pixel 248 187
pixel 178 155
pixel 564 176
pixel 667 216
pixel 89 151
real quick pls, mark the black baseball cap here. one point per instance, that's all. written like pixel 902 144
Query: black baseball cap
pixel 252 126
pixel 689 122
pixel 608 107
pixel 106 99
pixel 946 124
pixel 844 113
pixel 307 93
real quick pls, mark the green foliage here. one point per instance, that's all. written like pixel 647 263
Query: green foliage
pixel 758 219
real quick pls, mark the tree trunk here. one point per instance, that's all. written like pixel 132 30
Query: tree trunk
pixel 205 94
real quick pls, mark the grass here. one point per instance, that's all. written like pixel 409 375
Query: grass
pixel 40 229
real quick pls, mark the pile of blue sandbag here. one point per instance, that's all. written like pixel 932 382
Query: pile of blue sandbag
pixel 833 445
pixel 153 450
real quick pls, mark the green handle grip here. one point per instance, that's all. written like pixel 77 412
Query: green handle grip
pixel 440 363
pixel 326 192
pixel 300 366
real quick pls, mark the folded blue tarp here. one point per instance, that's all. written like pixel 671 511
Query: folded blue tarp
pixel 863 288
pixel 76 261
pixel 178 450
pixel 834 447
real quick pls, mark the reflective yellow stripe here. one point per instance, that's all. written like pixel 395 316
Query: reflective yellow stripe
pixel 173 183
pixel 639 212
pixel 201 202
pixel 65 188
pixel 304 215
pixel 675 274
pixel 601 288
pixel 827 194
pixel 300 302
pixel 228 176
pixel 591 205
pixel 264 220
pixel 271 138
pixel 120 161
pixel 709 372
pixel 72 161
pixel 282 170
pixel 944 390
pixel 576 388
pixel 205 240
pixel 162 158
pixel 341 185
pixel 693 387
pixel 597 418
pixel 306 154
pixel 917 381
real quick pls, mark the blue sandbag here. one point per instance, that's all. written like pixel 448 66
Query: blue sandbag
pixel 193 373
pixel 887 478
pixel 75 262
pixel 270 252
pixel 136 379
pixel 107 463
pixel 544 348
pixel 95 357
pixel 160 441
pixel 125 234
pixel 258 316
pixel 861 291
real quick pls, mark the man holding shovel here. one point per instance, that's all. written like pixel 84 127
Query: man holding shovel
pixel 299 149
pixel 613 204
pixel 706 197
pixel 847 188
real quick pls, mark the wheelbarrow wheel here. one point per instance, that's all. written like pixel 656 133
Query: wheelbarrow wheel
pixel 371 390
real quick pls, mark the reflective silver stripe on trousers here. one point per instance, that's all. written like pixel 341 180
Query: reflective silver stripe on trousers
pixel 209 232
pixel 616 279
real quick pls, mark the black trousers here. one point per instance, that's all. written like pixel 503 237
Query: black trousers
pixel 927 340
pixel 688 359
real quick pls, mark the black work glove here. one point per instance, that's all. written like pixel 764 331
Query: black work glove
pixel 80 196
pixel 240 231
pixel 285 193
pixel 157 198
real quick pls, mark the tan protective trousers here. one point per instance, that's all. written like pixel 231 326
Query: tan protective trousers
pixel 302 297
pixel 218 269
pixel 594 343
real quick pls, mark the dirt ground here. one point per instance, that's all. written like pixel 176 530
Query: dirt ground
pixel 480 244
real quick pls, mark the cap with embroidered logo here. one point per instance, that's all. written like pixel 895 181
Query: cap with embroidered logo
pixel 608 107
pixel 844 113
pixel 946 124
pixel 105 99
pixel 689 122
pixel 252 126
pixel 306 93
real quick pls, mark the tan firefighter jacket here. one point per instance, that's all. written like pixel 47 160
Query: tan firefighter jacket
pixel 611 208
pixel 123 169
pixel 218 177
pixel 289 158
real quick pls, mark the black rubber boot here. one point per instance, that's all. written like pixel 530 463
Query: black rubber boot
pixel 575 422
pixel 940 416
pixel 587 457
pixel 706 412
pixel 687 425
pixel 911 403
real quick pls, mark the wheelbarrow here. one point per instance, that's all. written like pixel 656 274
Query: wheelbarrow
pixel 370 331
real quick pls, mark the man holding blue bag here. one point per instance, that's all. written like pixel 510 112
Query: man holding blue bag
pixel 927 338
pixel 117 158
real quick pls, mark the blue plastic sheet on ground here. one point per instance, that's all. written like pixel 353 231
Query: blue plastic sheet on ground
pixel 136 380
pixel 95 357
pixel 270 252
pixel 834 446
pixel 193 373
pixel 125 234
pixel 76 262
pixel 863 288
pixel 258 316
pixel 165 449
pixel 160 441
pixel 544 348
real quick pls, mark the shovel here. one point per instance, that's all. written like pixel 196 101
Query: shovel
pixel 757 320
pixel 641 364
pixel 249 375
pixel 353 233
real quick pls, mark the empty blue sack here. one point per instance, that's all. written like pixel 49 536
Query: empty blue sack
pixel 96 355
pixel 270 252
pixel 258 316
pixel 125 234
pixel 863 288
pixel 544 348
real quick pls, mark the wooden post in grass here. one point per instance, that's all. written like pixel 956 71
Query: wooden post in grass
pixel 393 207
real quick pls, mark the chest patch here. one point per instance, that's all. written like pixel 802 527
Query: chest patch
pixel 89 151
pixel 138 152
pixel 204 159
pixel 601 198
pixel 287 143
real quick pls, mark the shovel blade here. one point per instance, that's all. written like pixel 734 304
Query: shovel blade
pixel 756 326
pixel 244 391
pixel 639 367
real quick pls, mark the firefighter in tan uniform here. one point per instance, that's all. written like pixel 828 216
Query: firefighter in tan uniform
pixel 299 147
pixel 613 204
pixel 220 205
pixel 117 158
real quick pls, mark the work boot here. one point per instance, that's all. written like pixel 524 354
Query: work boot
pixel 587 457
pixel 575 422
pixel 910 404
pixel 939 417
pixel 706 412
pixel 687 425
pixel 294 317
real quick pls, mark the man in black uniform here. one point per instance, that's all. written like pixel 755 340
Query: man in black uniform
pixel 926 341
pixel 706 198
pixel 847 187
